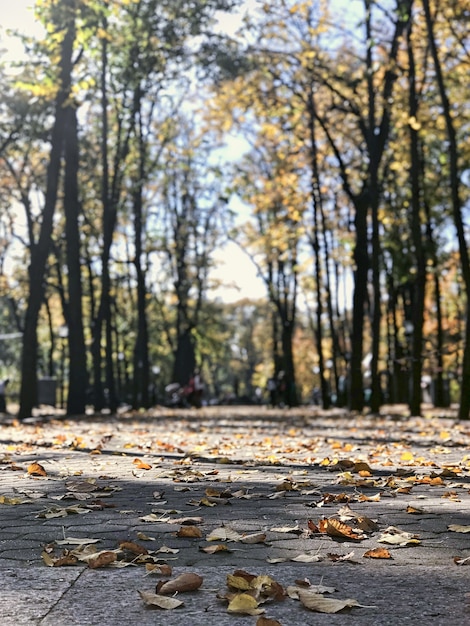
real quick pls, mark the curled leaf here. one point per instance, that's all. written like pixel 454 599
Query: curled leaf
pixel 189 531
pixel 102 560
pixel 320 604
pixel 185 582
pixel 36 469
pixel 158 601
pixel 245 604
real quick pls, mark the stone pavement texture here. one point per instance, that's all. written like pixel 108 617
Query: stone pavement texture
pixel 265 479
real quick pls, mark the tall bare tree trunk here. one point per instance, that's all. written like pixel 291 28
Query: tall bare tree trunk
pixel 40 250
pixel 464 409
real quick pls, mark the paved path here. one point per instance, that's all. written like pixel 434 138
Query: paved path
pixel 264 478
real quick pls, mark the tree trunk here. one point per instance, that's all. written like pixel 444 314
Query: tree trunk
pixel 464 409
pixel 78 379
pixel 420 279
pixel 40 250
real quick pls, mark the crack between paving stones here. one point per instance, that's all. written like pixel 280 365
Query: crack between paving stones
pixel 68 588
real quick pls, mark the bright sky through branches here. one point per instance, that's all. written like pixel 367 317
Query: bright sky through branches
pixel 234 268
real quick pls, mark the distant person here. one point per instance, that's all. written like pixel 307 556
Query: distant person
pixel 3 403
pixel 272 391
pixel 195 389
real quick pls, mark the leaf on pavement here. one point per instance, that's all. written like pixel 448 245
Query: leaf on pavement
pixel 265 621
pixel 61 561
pixel 397 537
pixel 458 560
pixel 244 604
pixel 254 538
pixel 184 582
pixel 141 464
pixel 458 528
pixel 334 528
pixel 102 560
pixel 189 531
pixel 158 569
pixel 224 533
pixel 218 547
pixel 317 602
pixel 36 469
pixel 308 558
pixel 76 541
pixel 133 547
pixel 158 601
pixel 377 553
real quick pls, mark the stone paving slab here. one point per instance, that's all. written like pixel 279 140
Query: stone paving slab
pixel 276 461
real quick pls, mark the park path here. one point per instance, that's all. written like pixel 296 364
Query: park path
pixel 96 512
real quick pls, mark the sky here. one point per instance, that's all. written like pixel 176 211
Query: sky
pixel 234 266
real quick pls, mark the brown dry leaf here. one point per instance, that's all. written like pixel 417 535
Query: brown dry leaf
pixel 143 537
pixel 320 604
pixel 265 621
pixel 141 464
pixel 189 531
pixel 159 570
pixel 337 558
pixel 377 553
pixel 413 510
pixel 133 547
pixel 254 538
pixel 102 560
pixel 458 528
pixel 458 560
pixel 244 604
pixel 334 528
pixel 218 547
pixel 36 469
pixel 161 602
pixel 61 561
pixel 363 498
pixel 184 582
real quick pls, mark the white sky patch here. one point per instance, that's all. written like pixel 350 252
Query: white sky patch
pixel 238 274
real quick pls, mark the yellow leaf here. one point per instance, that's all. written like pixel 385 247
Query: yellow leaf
pixel 36 469
pixel 245 604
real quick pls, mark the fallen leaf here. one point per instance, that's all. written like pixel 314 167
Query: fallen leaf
pixel 244 604
pixel 462 561
pixel 184 582
pixel 189 531
pixel 218 547
pixel 335 528
pixel 264 621
pixel 135 548
pixel 398 537
pixel 36 469
pixel 317 602
pixel 225 533
pixel 377 553
pixel 254 538
pixel 458 528
pixel 141 464
pixel 414 511
pixel 161 602
pixel 160 570
pixel 75 541
pixel 102 560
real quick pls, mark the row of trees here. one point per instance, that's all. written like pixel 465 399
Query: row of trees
pixel 353 169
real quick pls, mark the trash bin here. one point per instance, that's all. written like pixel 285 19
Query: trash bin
pixel 47 388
